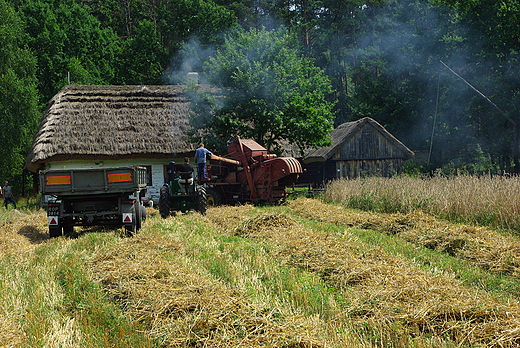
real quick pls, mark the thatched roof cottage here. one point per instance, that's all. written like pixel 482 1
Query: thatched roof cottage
pixel 92 126
pixel 362 147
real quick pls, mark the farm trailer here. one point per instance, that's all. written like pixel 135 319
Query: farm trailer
pixel 92 197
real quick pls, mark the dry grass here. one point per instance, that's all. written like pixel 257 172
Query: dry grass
pixel 381 289
pixel 163 279
pixel 10 335
pixel 150 278
pixel 21 232
pixel 493 251
pixel 18 239
pixel 472 199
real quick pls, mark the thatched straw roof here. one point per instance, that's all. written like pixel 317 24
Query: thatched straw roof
pixel 346 131
pixel 112 122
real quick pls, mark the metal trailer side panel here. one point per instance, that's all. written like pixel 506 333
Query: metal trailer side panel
pixel 92 181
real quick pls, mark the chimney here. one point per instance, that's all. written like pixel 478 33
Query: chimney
pixel 192 77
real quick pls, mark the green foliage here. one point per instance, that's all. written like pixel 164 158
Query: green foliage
pixel 67 39
pixel 337 61
pixel 19 110
pixel 477 162
pixel 146 63
pixel 272 93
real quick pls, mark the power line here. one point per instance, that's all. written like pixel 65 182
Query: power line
pixel 481 94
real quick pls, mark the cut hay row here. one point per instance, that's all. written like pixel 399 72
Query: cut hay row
pixel 493 251
pixel 149 276
pixel 10 335
pixel 379 289
pixel 21 232
pixel 18 239
pixel 163 279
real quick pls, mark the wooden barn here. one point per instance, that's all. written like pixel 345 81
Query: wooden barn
pixel 358 148
pixel 96 126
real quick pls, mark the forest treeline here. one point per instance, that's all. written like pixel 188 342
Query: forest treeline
pixel 441 75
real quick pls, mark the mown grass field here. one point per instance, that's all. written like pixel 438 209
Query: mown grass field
pixel 305 274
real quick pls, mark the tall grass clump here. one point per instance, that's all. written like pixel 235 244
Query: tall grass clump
pixel 481 200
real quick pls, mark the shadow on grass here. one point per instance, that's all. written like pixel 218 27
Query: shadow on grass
pixel 33 234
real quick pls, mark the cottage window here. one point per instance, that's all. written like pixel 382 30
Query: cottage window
pixel 148 174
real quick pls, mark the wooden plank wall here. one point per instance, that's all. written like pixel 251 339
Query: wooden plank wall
pixel 356 168
pixel 368 144
pixel 366 153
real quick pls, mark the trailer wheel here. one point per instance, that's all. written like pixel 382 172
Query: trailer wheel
pixel 55 231
pixel 164 202
pixel 68 230
pixel 137 221
pixel 214 197
pixel 202 202
pixel 138 216
pixel 143 212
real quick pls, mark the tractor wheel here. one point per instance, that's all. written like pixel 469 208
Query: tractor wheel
pixel 164 202
pixel 202 201
pixel 214 197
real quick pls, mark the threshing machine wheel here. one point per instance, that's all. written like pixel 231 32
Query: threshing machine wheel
pixel 214 197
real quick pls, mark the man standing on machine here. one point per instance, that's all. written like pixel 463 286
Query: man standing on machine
pixel 200 158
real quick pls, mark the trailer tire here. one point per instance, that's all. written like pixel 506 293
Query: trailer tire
pixel 143 212
pixel 202 200
pixel 138 216
pixel 137 221
pixel 68 230
pixel 214 197
pixel 164 202
pixel 55 231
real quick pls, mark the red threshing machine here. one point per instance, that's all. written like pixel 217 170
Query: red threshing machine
pixel 249 174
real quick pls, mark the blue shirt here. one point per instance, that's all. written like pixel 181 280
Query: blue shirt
pixel 200 155
pixel 7 192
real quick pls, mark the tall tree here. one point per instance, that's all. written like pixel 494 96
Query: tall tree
pixel 68 39
pixel 273 94
pixel 153 31
pixel 252 14
pixel 493 69
pixel 328 30
pixel 19 112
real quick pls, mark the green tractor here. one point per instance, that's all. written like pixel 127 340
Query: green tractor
pixel 181 193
